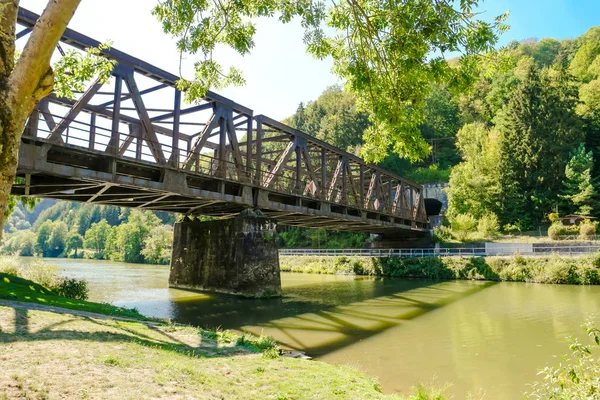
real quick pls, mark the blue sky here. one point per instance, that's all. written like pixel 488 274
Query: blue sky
pixel 279 73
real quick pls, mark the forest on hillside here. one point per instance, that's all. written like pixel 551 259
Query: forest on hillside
pixel 54 228
pixel 522 145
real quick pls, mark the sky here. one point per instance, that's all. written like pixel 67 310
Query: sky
pixel 279 73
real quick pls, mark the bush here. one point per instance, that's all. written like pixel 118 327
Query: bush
pixel 552 269
pixel 488 226
pixel 442 234
pixel 219 335
pixel 47 276
pixel 71 288
pixel 511 229
pixel 553 217
pixel 577 376
pixel 557 231
pixel 9 266
pixel 265 344
pixel 587 229
pixel 462 225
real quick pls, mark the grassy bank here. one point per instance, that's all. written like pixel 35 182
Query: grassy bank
pixel 51 353
pixel 552 269
pixel 19 289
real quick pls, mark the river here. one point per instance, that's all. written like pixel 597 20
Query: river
pixel 481 337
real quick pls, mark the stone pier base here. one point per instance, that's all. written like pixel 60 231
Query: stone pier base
pixel 236 256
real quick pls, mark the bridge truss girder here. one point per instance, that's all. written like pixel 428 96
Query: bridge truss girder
pixel 131 142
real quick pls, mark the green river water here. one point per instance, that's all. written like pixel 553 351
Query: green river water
pixel 482 337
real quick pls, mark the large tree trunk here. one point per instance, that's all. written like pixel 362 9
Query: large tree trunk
pixel 24 85
pixel 8 20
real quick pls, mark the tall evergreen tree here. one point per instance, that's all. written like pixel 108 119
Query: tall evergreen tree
pixel 578 188
pixel 539 128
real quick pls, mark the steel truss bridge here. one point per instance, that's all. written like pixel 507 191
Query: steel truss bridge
pixel 132 142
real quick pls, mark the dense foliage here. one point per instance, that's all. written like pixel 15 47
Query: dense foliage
pixel 65 229
pixel 387 53
pixel 335 118
pixel 577 376
pixel 529 144
pixel 47 276
pixel 296 237
pixel 522 144
pixel 552 269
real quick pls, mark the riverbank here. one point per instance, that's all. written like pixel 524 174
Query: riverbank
pixel 552 269
pixel 53 352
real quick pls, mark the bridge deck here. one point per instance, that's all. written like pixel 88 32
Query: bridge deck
pixel 131 142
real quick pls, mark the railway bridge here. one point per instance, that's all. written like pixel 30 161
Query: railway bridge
pixel 132 142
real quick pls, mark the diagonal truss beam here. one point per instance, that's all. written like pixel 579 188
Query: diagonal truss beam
pixel 147 128
pixel 55 135
pixel 335 178
pixel 270 176
pixel 194 152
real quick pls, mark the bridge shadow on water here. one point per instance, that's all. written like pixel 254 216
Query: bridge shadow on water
pixel 324 317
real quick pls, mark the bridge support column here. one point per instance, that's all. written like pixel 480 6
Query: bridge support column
pixel 237 256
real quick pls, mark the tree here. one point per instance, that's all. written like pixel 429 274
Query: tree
pixel 96 236
pixel 130 236
pixel 87 215
pixel 578 189
pixel 43 235
pixel 74 242
pixel 440 125
pixel 23 85
pixel 382 50
pixel 157 245
pixel 462 225
pixel 21 243
pixel 474 185
pixel 57 242
pixel 539 128
pixel 333 118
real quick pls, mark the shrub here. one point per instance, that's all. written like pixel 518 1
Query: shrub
pixel 488 226
pixel 71 288
pixel 587 229
pixel 552 269
pixel 442 234
pixel 46 275
pixel 577 376
pixel 9 266
pixel 462 225
pixel 219 335
pixel 511 228
pixel 41 273
pixel 557 230
pixel 265 344
pixel 553 217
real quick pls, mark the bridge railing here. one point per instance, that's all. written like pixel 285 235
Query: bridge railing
pixel 441 252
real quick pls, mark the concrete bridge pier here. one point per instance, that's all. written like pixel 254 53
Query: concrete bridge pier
pixel 236 256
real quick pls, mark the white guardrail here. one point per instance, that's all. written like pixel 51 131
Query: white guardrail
pixel 447 252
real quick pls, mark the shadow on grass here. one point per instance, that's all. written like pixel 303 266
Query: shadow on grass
pixel 26 328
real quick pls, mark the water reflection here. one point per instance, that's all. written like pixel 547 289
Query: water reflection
pixel 477 335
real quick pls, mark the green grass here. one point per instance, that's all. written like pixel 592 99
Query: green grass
pixel 551 269
pixel 19 289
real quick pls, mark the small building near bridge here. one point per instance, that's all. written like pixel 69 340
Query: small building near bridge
pixel 574 219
